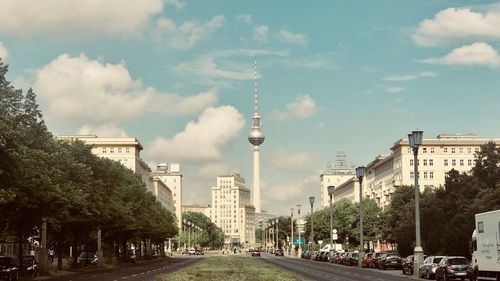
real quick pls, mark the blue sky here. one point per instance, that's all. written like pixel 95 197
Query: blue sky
pixel 351 76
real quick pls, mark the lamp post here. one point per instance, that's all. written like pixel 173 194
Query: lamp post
pixel 311 201
pixel 298 221
pixel 291 231
pixel 189 234
pixel 360 173
pixel 415 140
pixel 331 189
pixel 277 234
pixel 184 226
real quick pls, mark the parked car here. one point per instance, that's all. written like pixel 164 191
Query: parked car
pixel 367 260
pixel 375 259
pixel 255 253
pixel 351 259
pixel 407 265
pixel 332 255
pixel 390 260
pixel 323 256
pixel 279 252
pixel 306 254
pixel 192 251
pixel 452 267
pixel 429 266
pixel 315 255
pixel 199 252
pixel 340 258
pixel 86 258
pixel 9 270
pixel 30 266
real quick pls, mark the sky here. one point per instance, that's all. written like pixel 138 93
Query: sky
pixel 352 76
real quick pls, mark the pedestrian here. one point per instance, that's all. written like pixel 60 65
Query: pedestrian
pixel 51 256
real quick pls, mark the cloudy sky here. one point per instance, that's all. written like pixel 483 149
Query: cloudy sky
pixel 351 76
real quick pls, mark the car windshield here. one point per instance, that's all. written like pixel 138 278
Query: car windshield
pixel 457 261
pixel 436 260
pixel 393 256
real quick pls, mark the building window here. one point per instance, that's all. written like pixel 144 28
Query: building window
pixel 469 162
pixel 411 162
pixel 445 150
pixel 461 150
pixel 476 149
pixel 453 162
pixel 111 150
pixel 425 175
pixel 409 150
pixel 104 150
pixel 119 150
pixel 461 162
pixel 446 162
pixel 412 175
pixel 431 175
pixel 127 150
pixel 452 150
pixel 432 149
pixel 469 150
pixel 424 150
pixel 425 162
pixel 431 162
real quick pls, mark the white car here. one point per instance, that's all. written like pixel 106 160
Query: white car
pixel 192 252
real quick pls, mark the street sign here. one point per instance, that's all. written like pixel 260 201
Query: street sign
pixel 334 236
pixel 296 241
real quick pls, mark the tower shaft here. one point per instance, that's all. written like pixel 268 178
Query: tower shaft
pixel 256 178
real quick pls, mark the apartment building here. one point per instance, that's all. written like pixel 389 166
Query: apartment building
pixel 195 208
pixel 170 174
pixel 233 211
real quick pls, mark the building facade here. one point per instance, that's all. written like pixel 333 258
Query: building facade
pixel 195 208
pixel 335 178
pixel 162 193
pixel 232 210
pixel 171 175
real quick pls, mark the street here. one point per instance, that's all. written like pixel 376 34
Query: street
pixel 140 272
pixel 318 271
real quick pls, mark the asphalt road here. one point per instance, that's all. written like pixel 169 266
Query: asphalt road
pixel 138 272
pixel 319 271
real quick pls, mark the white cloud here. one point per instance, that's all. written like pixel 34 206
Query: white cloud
pixel 291 161
pixel 207 66
pixel 212 170
pixel 260 33
pixel 394 90
pixel 244 18
pixel 409 77
pixel 293 38
pixel 457 23
pixel 89 92
pixel 204 139
pixel 76 18
pixel 303 107
pixel 3 51
pixel 276 198
pixel 188 34
pixel 474 54
pixel 107 130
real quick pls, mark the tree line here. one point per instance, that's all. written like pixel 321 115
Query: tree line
pixel 64 184
pixel 446 213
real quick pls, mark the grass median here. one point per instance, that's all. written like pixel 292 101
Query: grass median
pixel 230 268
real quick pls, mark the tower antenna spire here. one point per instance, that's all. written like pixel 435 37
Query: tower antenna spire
pixel 255 89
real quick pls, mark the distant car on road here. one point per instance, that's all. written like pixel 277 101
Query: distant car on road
pixel 279 252
pixel 255 253
pixel 86 258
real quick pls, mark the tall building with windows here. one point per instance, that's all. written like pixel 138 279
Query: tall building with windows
pixel 337 173
pixel 232 210
pixel 171 175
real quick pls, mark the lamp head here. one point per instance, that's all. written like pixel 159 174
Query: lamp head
pixel 311 200
pixel 331 189
pixel 298 207
pixel 360 172
pixel 417 137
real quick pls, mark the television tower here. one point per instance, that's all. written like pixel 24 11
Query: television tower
pixel 256 138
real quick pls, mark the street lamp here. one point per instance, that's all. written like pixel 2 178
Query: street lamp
pixel 360 173
pixel 184 230
pixel 277 234
pixel 298 221
pixel 331 189
pixel 415 140
pixel 291 230
pixel 311 201
pixel 189 234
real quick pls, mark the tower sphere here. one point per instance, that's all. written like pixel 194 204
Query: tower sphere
pixel 256 137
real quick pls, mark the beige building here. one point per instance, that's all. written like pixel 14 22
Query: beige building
pixel 233 211
pixel 436 157
pixel 195 208
pixel 348 190
pixel 335 178
pixel 162 193
pixel 171 175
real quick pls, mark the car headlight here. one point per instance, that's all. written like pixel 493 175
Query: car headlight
pixel 6 270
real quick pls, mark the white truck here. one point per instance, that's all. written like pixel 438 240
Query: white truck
pixel 486 246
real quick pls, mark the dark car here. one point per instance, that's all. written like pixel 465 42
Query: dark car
pixel 390 260
pixel 30 266
pixel 367 260
pixel 407 265
pixel 255 253
pixel 452 267
pixel 86 258
pixel 199 252
pixel 306 255
pixel 279 252
pixel 375 259
pixel 9 270
pixel 429 266
pixel 340 258
pixel 351 259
